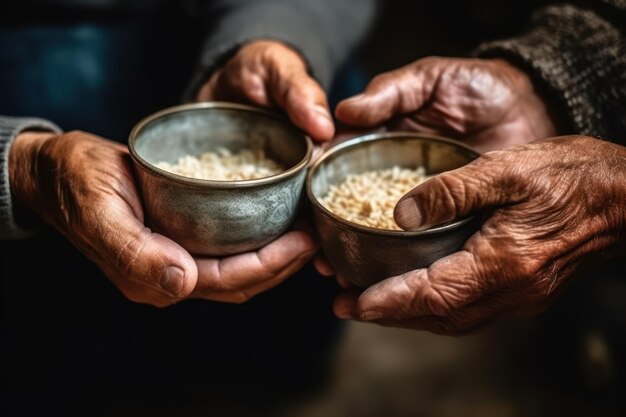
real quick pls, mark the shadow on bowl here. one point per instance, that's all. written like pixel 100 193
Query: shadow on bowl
pixel 367 255
pixel 213 217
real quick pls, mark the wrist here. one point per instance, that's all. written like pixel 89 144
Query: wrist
pixel 22 169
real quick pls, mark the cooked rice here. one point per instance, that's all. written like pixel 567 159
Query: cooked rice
pixel 224 165
pixel 369 198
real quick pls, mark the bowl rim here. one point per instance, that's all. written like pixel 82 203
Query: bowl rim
pixel 204 183
pixel 372 137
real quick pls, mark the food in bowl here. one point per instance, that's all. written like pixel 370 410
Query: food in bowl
pixel 224 165
pixel 364 254
pixel 210 217
pixel 369 198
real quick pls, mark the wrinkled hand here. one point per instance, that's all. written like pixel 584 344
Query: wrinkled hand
pixel 269 73
pixel 488 103
pixel 84 186
pixel 553 204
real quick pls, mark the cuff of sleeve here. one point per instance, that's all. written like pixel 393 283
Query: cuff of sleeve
pixel 572 58
pixel 282 24
pixel 10 127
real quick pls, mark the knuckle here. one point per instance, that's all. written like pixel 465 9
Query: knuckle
pixel 454 192
pixel 437 302
pixel 130 253
pixel 381 80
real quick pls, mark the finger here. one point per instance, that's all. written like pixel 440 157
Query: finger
pixel 245 294
pixel 451 195
pixel 447 285
pixel 209 91
pixel 462 321
pixel 388 95
pixel 322 265
pixel 343 281
pixel 279 77
pixel 414 124
pixel 146 263
pixel 304 101
pixel 238 278
pixel 344 305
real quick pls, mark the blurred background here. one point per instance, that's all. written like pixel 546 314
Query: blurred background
pixel 568 361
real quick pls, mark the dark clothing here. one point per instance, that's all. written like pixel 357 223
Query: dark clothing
pixel 577 55
pixel 72 344
pixel 70 340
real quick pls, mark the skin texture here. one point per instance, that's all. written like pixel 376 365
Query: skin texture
pixel 550 206
pixel 270 74
pixel 488 104
pixel 84 186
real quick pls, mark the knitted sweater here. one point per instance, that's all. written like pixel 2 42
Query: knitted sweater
pixel 576 54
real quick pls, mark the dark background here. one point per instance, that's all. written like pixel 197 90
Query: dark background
pixel 568 361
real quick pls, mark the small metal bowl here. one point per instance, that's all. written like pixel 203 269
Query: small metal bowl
pixel 366 255
pixel 218 218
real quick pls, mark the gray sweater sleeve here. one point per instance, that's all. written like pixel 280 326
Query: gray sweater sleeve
pixel 577 56
pixel 10 127
pixel 323 31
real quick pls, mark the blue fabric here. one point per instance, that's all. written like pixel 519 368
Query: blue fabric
pixel 97 77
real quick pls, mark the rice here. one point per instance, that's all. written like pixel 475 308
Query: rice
pixel 369 198
pixel 224 165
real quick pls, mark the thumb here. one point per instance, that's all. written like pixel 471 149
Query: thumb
pixel 390 94
pixel 305 102
pixel 144 259
pixel 455 194
pixel 165 265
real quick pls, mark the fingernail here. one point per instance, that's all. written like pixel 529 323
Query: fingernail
pixel 407 215
pixel 173 279
pixel 371 315
pixel 344 314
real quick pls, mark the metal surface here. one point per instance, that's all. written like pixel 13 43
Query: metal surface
pixel 218 218
pixel 367 255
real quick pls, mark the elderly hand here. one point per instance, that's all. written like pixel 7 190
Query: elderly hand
pixel 488 103
pixel 551 204
pixel 269 73
pixel 83 185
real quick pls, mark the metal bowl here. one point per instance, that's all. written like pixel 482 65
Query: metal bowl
pixel 218 218
pixel 366 255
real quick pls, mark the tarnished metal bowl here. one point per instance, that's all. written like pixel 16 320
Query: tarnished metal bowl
pixel 217 218
pixel 366 255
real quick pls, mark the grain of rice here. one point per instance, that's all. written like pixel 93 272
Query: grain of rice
pixel 224 165
pixel 369 198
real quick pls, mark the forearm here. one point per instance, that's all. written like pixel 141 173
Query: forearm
pixel 323 32
pixel 13 169
pixel 577 57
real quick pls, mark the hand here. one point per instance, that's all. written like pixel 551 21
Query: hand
pixel 269 73
pixel 553 204
pixel 487 103
pixel 83 185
